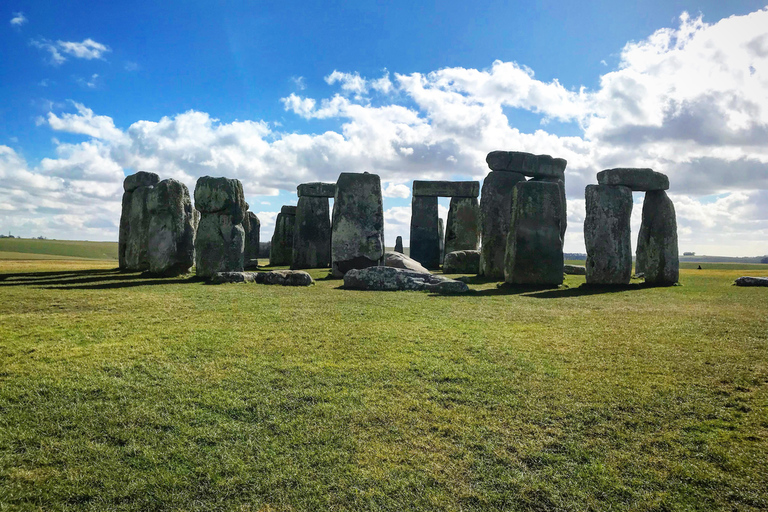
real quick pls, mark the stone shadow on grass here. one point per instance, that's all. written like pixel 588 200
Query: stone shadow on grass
pixel 88 279
pixel 588 289
pixel 122 284
pixel 59 273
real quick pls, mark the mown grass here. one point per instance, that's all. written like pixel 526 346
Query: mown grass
pixel 121 392
pixel 11 247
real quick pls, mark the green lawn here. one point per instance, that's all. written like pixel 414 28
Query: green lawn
pixel 121 392
pixel 10 248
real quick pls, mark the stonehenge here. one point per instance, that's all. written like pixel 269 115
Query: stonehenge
pixel 281 249
pixel 312 232
pixel 394 279
pixel 399 245
pixel 495 215
pixel 252 227
pixel 607 229
pixel 462 230
pixel 462 262
pixel 220 240
pixel 357 231
pixel 133 238
pixel 172 227
pixel 441 239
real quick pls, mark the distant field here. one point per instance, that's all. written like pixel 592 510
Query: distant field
pixel 122 392
pixel 9 247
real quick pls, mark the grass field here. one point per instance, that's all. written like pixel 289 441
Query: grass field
pixel 32 248
pixel 121 392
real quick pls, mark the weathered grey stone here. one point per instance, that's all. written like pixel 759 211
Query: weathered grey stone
pixel 751 281
pixel 221 195
pixel 281 250
pixel 264 248
pixel 232 277
pixel 446 188
pixel 252 227
pixel 425 238
pixel 219 245
pixel 607 234
pixel 171 236
pixel 564 220
pixel 316 189
pixel 136 249
pixel 285 278
pixel 357 239
pixel 462 262
pixel 140 179
pixel 535 166
pixel 495 216
pixel 657 242
pixel 534 247
pixel 575 270
pixel 125 229
pixel 441 238
pixel 639 180
pixel 462 231
pixel 399 245
pixel 399 260
pixel 312 233
pixel 393 279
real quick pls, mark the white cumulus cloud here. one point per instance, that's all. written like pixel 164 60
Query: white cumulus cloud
pixel 18 19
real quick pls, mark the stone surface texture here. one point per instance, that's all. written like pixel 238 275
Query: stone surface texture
pixel 232 277
pixel 425 237
pixel 535 166
pixel 462 230
pixel 639 180
pixel 281 248
pixel 657 242
pixel 564 220
pixel 357 239
pixel 220 240
pixel 252 228
pixel 399 245
pixel 534 247
pixel 399 260
pixel 285 278
pixel 446 188
pixel 607 234
pixel 316 189
pixel 751 281
pixel 394 279
pixel 462 262
pixel 171 248
pixel 312 233
pixel 495 216
pixel 441 238
pixel 140 179
pixel 575 270
pixel 133 235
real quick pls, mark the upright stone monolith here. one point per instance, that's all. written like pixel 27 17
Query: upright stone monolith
pixel 172 229
pixel 281 250
pixel 462 231
pixel 134 221
pixel 495 216
pixel 312 234
pixel 534 247
pixel 560 183
pixel 399 245
pixel 425 238
pixel 220 240
pixel 253 239
pixel 357 239
pixel 607 234
pixel 441 238
pixel 657 242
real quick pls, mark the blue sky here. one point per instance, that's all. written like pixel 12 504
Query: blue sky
pixel 276 93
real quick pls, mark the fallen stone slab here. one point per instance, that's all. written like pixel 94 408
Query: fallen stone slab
pixel 535 166
pixel 462 262
pixel 232 277
pixel 639 180
pixel 285 278
pixel 316 189
pixel 575 270
pixel 398 279
pixel 751 281
pixel 399 260
pixel 446 188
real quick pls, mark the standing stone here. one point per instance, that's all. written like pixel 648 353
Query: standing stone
pixel 657 243
pixel 252 226
pixel 171 247
pixel 358 223
pixel 441 238
pixel 399 245
pixel 560 183
pixel 534 247
pixel 607 234
pixel 462 231
pixel 495 216
pixel 281 251
pixel 425 238
pixel 220 240
pixel 312 234
pixel 134 221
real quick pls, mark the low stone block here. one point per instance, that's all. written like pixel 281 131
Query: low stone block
pixel 535 166
pixel 575 270
pixel 638 180
pixel 751 281
pixel 232 277
pixel 398 279
pixel 285 278
pixel 446 188
pixel 462 262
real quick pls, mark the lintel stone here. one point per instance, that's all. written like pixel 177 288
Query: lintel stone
pixel 639 180
pixel 446 188
pixel 527 164
pixel 316 189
